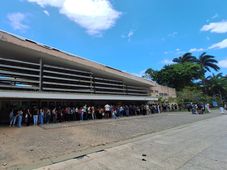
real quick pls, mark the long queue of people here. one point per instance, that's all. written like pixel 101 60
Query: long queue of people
pixel 39 116
pixel 201 108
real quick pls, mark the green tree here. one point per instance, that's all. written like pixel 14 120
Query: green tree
pixel 216 85
pixel 192 94
pixel 150 74
pixel 178 75
pixel 207 62
pixel 189 71
pixel 187 57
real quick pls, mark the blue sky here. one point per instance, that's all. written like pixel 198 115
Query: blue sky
pixel 129 35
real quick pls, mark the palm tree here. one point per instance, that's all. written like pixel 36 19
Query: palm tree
pixel 217 85
pixel 207 62
pixel 187 57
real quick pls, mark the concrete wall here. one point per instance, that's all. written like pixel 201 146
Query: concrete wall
pixel 163 91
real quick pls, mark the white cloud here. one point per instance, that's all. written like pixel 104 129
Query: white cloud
pixel 196 50
pixel 17 21
pixel 223 63
pixel 178 51
pixel 130 34
pixel 216 27
pixel 173 34
pixel 219 45
pixel 93 15
pixel 53 3
pixel 46 12
pixel 167 61
pixel 215 16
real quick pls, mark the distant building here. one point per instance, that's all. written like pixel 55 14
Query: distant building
pixel 34 74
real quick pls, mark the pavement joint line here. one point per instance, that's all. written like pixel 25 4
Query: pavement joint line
pixel 196 155
pixel 80 157
pixel 193 157
pixel 129 140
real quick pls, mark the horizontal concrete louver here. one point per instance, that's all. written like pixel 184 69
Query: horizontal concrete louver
pixel 25 75
pixel 21 75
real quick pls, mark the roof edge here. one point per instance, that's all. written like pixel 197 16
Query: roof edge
pixel 26 43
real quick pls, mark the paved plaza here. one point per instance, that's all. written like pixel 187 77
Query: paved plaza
pixel 198 146
pixel 34 147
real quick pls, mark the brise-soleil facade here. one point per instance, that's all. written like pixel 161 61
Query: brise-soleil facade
pixel 34 72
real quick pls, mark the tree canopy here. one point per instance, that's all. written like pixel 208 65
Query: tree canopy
pixel 207 62
pixel 187 72
pixel 187 57
pixel 178 75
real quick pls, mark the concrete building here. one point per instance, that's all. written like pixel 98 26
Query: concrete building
pixel 35 74
pixel 163 91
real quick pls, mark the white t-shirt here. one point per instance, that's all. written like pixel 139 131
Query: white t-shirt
pixel 107 107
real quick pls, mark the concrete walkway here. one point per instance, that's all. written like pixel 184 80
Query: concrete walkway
pixel 200 145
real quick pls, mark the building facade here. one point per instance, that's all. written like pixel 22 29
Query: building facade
pixel 35 74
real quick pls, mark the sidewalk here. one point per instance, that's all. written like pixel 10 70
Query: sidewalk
pixel 197 146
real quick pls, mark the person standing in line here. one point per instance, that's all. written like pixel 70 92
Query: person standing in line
pixel 62 114
pixel 20 114
pixel 121 109
pixel 81 112
pixel 93 113
pixel 54 114
pixel 221 108
pixel 85 112
pixel 101 113
pixel 147 109
pixel 194 109
pixel 158 108
pixel 126 110
pixel 107 111
pixel 70 112
pixel 207 107
pixel 48 115
pixel 35 117
pixel 73 112
pixel 67 114
pixel 12 118
pixel 41 116
pixel 28 117
pixel 77 114
pixel 88 113
pixel 114 113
